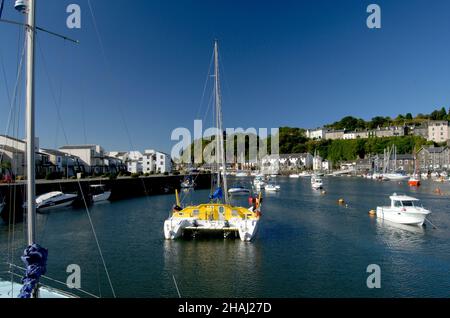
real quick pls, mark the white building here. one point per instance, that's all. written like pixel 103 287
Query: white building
pixel 134 162
pixel 158 162
pixel 151 161
pixel 275 164
pixel 63 162
pixel 12 153
pixel 317 134
pixel 17 143
pixel 317 163
pixel 350 135
pixel 91 156
pixel 438 131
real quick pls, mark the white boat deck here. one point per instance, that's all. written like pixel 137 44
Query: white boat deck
pixel 12 290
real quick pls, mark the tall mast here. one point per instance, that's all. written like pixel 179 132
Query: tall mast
pixel 220 151
pixel 30 138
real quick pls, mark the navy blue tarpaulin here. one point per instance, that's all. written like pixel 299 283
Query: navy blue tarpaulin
pixel 35 260
pixel 217 195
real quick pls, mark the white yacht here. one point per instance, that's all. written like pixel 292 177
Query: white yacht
pixel 238 190
pixel 272 187
pixel 403 210
pixel 316 183
pixel 99 193
pixel 54 200
pixel 395 176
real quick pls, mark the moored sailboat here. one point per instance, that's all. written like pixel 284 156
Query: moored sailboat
pixel 218 215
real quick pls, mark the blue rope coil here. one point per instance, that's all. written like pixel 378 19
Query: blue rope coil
pixel 35 260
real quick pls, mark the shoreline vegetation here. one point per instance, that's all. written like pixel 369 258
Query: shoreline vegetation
pixel 294 140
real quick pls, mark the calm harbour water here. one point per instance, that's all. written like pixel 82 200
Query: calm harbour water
pixel 307 246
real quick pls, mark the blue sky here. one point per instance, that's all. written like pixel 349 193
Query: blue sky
pixel 285 63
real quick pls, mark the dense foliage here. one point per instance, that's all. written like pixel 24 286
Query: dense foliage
pixel 352 123
pixel 293 140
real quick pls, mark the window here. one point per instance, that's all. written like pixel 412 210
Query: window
pixel 408 203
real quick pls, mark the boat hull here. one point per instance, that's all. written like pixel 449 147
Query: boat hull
pixel 103 197
pixel 50 206
pixel 402 217
pixel 414 183
pixel 12 291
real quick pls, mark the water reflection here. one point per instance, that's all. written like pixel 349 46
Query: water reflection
pixel 399 236
pixel 212 267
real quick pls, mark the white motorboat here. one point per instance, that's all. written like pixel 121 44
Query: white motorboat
pixel 99 193
pixel 271 187
pixel 54 200
pixel 316 183
pixel 305 174
pixel 241 174
pixel 294 176
pixel 238 190
pixel 403 210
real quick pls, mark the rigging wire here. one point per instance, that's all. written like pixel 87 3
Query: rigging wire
pixel 78 181
pixel 13 109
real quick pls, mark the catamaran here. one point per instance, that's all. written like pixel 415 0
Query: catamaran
pixel 218 215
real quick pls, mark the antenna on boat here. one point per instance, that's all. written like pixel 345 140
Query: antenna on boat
pixel 25 7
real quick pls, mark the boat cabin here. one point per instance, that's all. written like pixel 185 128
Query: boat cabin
pixel 403 201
